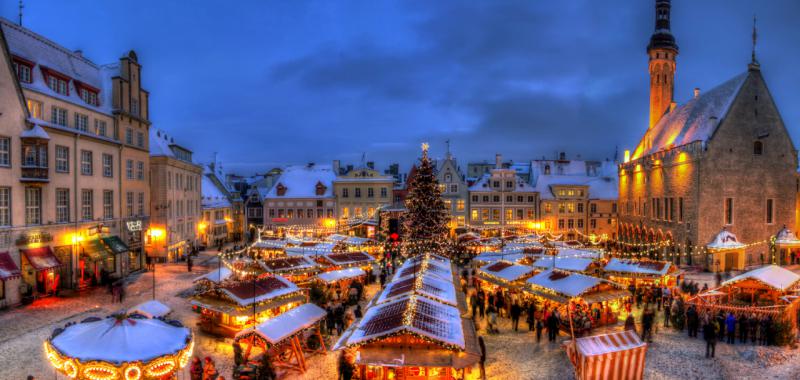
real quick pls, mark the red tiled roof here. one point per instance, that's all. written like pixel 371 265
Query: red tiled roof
pixel 348 257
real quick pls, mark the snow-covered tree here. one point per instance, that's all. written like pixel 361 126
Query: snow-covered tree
pixel 426 220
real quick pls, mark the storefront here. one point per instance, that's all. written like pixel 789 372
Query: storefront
pixel 96 263
pixel 132 233
pixel 9 280
pixel 40 271
pixel 132 260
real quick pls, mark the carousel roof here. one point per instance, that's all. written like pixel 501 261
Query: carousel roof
pixel 151 309
pixel 216 275
pixel 725 240
pixel 436 321
pixel 276 329
pixel 507 271
pixel 573 264
pixel 567 283
pixel 341 274
pixel 119 341
pixel 773 276
pixel 425 284
pixel 658 268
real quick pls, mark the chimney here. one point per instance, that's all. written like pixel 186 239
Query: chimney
pixel 79 53
pixel 498 161
pixel 696 92
pixel 673 105
pixel 336 166
pixel 562 156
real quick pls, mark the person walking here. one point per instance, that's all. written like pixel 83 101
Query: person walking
pixel 481 305
pixel 196 370
pixel 209 370
pixel 516 312
pixel 630 323
pixel 539 328
pixel 710 331
pixel 730 323
pixel 648 317
pixel 667 313
pixel 473 302
pixel 189 263
pixel 552 327
pixel 692 321
pixel 482 361
pixel 531 316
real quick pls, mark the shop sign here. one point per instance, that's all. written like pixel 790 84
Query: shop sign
pixel 134 225
pixel 34 237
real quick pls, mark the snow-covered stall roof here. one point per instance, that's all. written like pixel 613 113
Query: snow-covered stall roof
pixel 303 181
pixel 725 240
pixel 216 275
pixel 609 343
pixel 118 342
pixel 426 285
pixel 441 269
pixel 246 293
pixel 566 283
pixel 583 253
pixel 573 264
pixel 786 237
pixel 264 244
pixel 151 309
pixel 348 258
pixel 288 264
pixel 275 330
pixel 639 267
pixel 776 277
pixel 341 274
pixel 696 120
pixel 438 322
pixel 505 271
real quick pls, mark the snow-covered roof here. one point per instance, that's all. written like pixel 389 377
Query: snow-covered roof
pixel 425 264
pixel 247 293
pixel 786 236
pixel 487 257
pixel 506 271
pixel 288 264
pixel 573 264
pixel 213 197
pixel 300 181
pixel 348 258
pixel 483 185
pixel 341 274
pixel 567 283
pixel 275 330
pixel 216 275
pixel 161 144
pixel 47 54
pixel 725 240
pixel 584 253
pixel 773 276
pixel 37 132
pixel 270 244
pixel 691 121
pixel 128 340
pixel 603 188
pixel 436 321
pixel 426 284
pixel 151 309
pixel 646 267
pixel 609 343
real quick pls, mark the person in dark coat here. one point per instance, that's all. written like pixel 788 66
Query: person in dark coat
pixel 692 321
pixel 539 328
pixel 196 370
pixel 482 361
pixel 552 327
pixel 531 316
pixel 730 324
pixel 648 318
pixel 481 305
pixel 345 368
pixel 630 323
pixel 189 263
pixel 743 323
pixel 710 331
pixel 516 312
pixel 721 323
pixel 358 313
pixel 473 302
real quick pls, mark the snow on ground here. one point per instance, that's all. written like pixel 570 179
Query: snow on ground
pixel 510 355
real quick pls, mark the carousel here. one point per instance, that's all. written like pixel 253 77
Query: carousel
pixel 585 298
pixel 120 347
pixel 725 253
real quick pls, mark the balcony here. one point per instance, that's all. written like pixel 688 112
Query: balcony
pixel 34 173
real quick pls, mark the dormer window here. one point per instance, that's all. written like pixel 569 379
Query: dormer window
pixel 320 189
pixel 281 190
pixel 88 96
pixel 56 81
pixel 23 71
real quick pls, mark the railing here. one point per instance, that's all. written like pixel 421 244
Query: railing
pixel 34 174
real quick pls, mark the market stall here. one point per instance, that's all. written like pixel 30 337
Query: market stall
pixel 424 284
pixel 9 280
pixel 284 339
pixel 592 299
pixel 787 246
pixel 638 272
pixel 213 278
pixel 151 309
pixel 227 309
pixel 725 252
pixel 504 274
pixel 346 260
pixel 298 269
pixel 615 356
pixel 767 291
pixel 120 347
pixel 572 264
pixel 426 264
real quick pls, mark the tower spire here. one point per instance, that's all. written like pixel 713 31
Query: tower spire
pixel 662 52
pixel 21 6
pixel 755 37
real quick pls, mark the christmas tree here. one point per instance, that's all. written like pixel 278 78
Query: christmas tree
pixel 426 220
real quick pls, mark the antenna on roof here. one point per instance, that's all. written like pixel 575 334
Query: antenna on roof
pixel 21 6
pixel 755 37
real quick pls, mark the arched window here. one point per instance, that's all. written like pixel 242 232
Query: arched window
pixel 758 148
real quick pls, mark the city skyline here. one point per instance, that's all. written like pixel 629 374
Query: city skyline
pixel 417 72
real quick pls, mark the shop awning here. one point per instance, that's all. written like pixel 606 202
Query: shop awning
pixel 95 250
pixel 8 268
pixel 116 244
pixel 41 258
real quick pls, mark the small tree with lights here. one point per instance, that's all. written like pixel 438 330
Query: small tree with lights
pixel 426 221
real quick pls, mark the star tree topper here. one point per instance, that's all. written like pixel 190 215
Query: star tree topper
pixel 425 147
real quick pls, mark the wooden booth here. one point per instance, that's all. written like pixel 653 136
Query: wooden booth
pixel 787 247
pixel 297 269
pixel 227 309
pixel 284 339
pixel 582 265
pixel 638 272
pixel 504 274
pixel 725 253
pixel 341 278
pixel 615 356
pixel 591 299
pixel 346 260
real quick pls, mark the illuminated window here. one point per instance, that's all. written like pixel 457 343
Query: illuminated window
pixel 35 108
pixel 474 214
pixel 460 205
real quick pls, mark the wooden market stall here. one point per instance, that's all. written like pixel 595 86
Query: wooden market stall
pixel 637 272
pixel 787 246
pixel 213 278
pixel 428 263
pixel 725 253
pixel 615 356
pixel 228 308
pixel 151 309
pixel 297 269
pixel 346 260
pixel 593 299
pixel 284 339
pixel 767 291
pixel 504 274
pixel 572 264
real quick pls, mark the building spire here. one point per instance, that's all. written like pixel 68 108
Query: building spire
pixel 21 7
pixel 755 38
